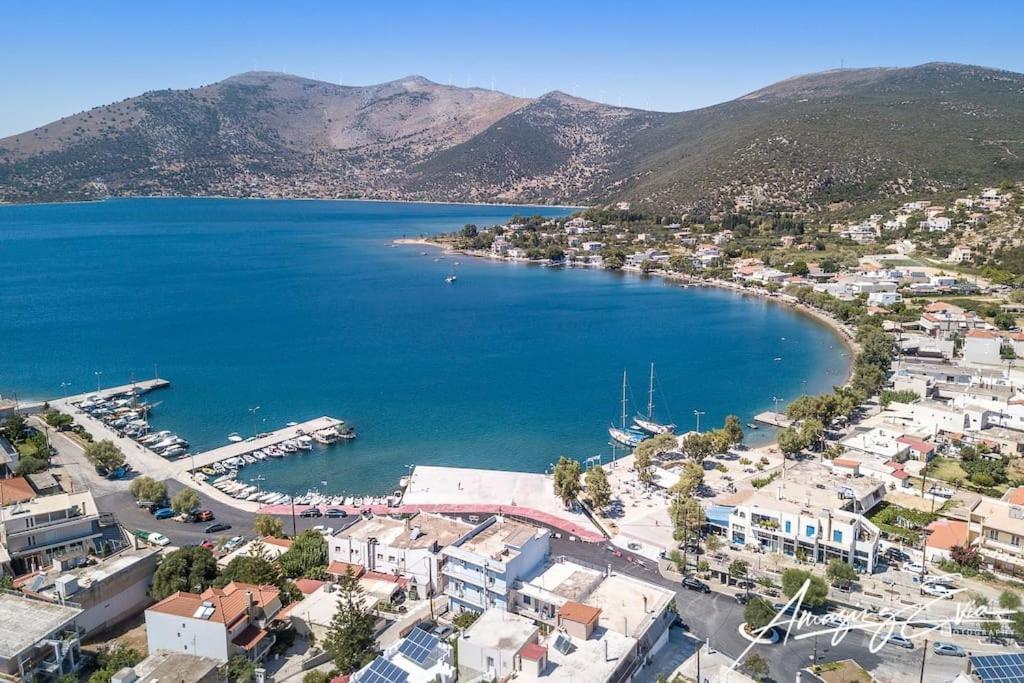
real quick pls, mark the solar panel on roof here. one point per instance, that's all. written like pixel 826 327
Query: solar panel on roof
pixel 383 671
pixel 563 644
pixel 418 645
pixel 1007 668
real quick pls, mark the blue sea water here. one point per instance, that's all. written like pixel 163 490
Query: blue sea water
pixel 304 308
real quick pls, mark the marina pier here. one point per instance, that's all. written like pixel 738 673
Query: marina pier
pixel 234 450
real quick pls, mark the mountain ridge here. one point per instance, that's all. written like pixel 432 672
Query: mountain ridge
pixel 804 141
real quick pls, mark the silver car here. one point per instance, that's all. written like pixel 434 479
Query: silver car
pixel 949 649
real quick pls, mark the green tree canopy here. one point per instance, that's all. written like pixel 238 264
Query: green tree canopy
pixel 691 476
pixel 29 464
pixel 192 569
pixel 733 428
pixel 250 569
pixel 307 555
pixel 794 579
pixel 598 489
pixel 840 573
pixel 566 477
pixel 268 525
pixel 757 614
pixel 57 419
pixel 104 453
pixel 147 488
pixel 350 637
pixel 643 466
pixel 791 441
pixel 185 501
pixel 687 517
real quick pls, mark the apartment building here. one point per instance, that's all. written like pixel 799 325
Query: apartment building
pixel 38 531
pixel 409 547
pixel 39 641
pixel 996 529
pixel 218 624
pixel 482 566
pixel 817 521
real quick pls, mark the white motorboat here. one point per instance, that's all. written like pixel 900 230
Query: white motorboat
pixel 235 437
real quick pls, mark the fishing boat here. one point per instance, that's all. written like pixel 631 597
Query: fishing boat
pixel 451 278
pixel 751 425
pixel 646 422
pixel 623 434
pixel 235 437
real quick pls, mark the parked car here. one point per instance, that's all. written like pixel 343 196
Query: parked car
pixel 948 649
pixel 896 555
pixel 442 631
pixel 219 526
pixel 163 513
pixel 233 543
pixel 335 513
pixel 208 544
pixel 158 539
pixel 937 590
pixel 914 568
pixel 323 530
pixel 695 584
pixel 203 516
pixel 900 641
pixel 311 512
pixel 144 503
pixel 744 598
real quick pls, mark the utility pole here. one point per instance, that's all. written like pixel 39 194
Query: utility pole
pixel 294 532
pixel 924 654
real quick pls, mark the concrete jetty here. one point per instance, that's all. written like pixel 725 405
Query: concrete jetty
pixel 233 450
pixel 774 419
pixel 143 385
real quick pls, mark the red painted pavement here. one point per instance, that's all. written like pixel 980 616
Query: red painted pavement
pixel 564 525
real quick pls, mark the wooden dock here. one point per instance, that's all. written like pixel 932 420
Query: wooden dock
pixel 233 450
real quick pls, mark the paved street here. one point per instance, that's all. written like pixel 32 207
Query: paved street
pixel 716 618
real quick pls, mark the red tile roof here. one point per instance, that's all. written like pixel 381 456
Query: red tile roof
pixel 846 462
pixel 1016 496
pixel 308 586
pixel 916 444
pixel 946 533
pixel 341 568
pixel 229 603
pixel 281 542
pixel 533 652
pixel 15 490
pixel 578 612
pixel 249 637
pixel 981 334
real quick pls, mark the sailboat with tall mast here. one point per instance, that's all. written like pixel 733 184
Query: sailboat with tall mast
pixel 624 434
pixel 647 422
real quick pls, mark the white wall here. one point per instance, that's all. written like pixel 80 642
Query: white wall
pixel 187 635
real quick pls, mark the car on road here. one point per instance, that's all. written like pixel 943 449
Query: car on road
pixel 896 555
pixel 215 528
pixel 233 543
pixel 948 649
pixel 208 544
pixel 937 590
pixel 744 598
pixel 695 584
pixel 158 539
pixel 900 641
pixel 335 513
pixel 834 620
pixel 163 513
pixel 914 568
pixel 203 516
pixel 311 512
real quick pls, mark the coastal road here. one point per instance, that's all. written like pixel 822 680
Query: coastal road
pixel 716 618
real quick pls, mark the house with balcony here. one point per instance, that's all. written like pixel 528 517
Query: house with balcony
pixel 219 623
pixel 39 641
pixel 996 529
pixel 816 516
pixel 409 547
pixel 38 531
pixel 482 566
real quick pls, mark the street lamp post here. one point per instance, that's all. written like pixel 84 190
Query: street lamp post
pixel 64 388
pixel 98 373
pixel 697 414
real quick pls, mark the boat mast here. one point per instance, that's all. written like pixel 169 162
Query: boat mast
pixel 623 423
pixel 650 396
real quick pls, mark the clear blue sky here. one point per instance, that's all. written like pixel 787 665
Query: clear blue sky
pixel 62 57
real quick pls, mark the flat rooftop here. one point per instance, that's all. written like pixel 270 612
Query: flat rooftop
pixel 563 581
pixel 103 569
pixel 174 666
pixel 500 540
pixel 422 530
pixel 56 503
pixel 593 659
pixel 628 605
pixel 24 622
pixel 497 629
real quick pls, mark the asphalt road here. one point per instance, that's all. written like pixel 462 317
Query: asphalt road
pixel 716 618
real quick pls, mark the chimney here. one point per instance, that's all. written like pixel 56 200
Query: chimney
pixel 645 604
pixel 248 603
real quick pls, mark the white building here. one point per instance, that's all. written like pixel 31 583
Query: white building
pixel 420 656
pixel 884 298
pixel 38 640
pixel 935 224
pixel 218 624
pixel 65 525
pixel 409 547
pixel 961 253
pixel 482 567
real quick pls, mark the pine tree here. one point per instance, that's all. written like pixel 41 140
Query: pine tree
pixel 350 640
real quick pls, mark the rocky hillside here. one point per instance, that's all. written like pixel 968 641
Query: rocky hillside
pixel 810 140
